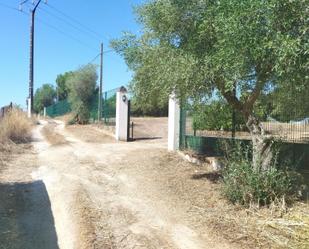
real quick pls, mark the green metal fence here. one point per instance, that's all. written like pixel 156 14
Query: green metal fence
pixel 58 109
pixel 108 107
pixel 207 124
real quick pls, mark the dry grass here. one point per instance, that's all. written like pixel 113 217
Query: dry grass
pixel 197 190
pixel 16 127
pixel 52 136
pixel 15 132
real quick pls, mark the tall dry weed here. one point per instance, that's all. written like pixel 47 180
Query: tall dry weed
pixel 15 126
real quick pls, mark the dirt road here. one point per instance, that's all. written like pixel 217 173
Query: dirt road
pixel 105 194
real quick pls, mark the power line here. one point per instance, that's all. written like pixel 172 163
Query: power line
pixel 69 23
pixel 66 34
pixel 104 52
pixel 50 26
pixel 23 2
pixel 9 7
pixel 108 51
pixel 94 58
pixel 99 36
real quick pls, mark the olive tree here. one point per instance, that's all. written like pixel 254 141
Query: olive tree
pixel 195 47
pixel 44 97
pixel 82 87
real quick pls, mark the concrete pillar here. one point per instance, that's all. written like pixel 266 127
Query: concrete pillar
pixel 173 123
pixel 44 112
pixel 122 109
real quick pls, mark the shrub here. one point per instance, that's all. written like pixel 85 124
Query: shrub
pixel 44 97
pixel 244 185
pixel 216 115
pixel 15 126
pixel 82 89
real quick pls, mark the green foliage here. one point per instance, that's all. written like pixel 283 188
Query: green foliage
pixel 109 107
pixel 62 88
pixel 195 46
pixel 44 97
pixel 244 185
pixel 290 102
pixel 82 88
pixel 216 115
pixel 151 108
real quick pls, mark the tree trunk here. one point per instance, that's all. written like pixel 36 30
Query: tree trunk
pixel 262 151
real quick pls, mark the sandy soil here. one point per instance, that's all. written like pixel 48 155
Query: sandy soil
pixel 149 128
pixel 91 192
pixel 99 195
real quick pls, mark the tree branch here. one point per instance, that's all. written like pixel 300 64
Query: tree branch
pixel 260 84
pixel 255 93
pixel 230 97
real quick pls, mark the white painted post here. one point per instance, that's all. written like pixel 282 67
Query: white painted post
pixel 122 114
pixel 44 112
pixel 29 108
pixel 173 123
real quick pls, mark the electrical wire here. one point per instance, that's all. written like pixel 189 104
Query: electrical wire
pixel 69 23
pixel 99 36
pixel 57 29
pixel 8 6
pixel 50 26
pixel 23 2
pixel 66 34
pixel 94 58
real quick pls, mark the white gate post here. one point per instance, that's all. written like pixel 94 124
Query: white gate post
pixel 121 114
pixel 173 123
pixel 44 112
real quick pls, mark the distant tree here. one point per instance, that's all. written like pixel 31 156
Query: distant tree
pixel 155 104
pixel 290 102
pixel 82 89
pixel 61 81
pixel 194 47
pixel 44 96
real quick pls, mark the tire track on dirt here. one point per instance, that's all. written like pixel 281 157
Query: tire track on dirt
pixel 104 205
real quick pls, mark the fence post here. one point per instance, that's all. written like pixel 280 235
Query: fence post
pixel 105 106
pixel 173 123
pixel 122 109
pixel 44 112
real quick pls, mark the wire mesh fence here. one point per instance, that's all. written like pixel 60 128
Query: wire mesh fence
pixel 108 107
pixel 205 124
pixel 58 109
pixel 216 118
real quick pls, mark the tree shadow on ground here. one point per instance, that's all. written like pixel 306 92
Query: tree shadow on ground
pixel 211 176
pixel 26 219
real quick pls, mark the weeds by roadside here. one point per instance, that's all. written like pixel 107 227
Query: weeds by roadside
pixel 15 127
pixel 250 187
pixel 15 133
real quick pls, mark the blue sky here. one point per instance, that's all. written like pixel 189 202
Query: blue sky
pixel 59 47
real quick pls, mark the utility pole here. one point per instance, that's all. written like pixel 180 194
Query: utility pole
pixel 101 86
pixel 31 64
